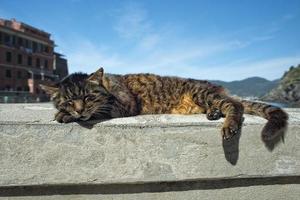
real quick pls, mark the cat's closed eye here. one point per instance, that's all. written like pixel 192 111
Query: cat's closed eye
pixel 67 103
pixel 89 98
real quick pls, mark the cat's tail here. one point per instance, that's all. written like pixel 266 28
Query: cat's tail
pixel 275 128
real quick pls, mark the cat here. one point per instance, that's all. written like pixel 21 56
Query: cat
pixel 81 97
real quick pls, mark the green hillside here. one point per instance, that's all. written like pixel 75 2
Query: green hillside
pixel 254 86
pixel 288 90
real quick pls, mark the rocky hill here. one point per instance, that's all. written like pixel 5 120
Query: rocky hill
pixel 254 86
pixel 288 89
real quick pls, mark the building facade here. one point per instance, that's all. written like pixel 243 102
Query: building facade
pixel 60 65
pixel 26 60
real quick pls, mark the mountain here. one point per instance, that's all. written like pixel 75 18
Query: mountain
pixel 253 86
pixel 288 89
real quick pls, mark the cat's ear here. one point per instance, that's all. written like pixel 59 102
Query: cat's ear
pixel 49 89
pixel 97 77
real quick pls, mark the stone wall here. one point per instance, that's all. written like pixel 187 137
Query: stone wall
pixel 143 157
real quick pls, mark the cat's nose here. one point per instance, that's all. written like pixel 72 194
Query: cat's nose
pixel 78 106
pixel 79 111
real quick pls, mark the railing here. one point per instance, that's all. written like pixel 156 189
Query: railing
pixel 21 97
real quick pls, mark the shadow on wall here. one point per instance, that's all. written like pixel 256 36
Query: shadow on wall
pixel 231 148
pixel 149 187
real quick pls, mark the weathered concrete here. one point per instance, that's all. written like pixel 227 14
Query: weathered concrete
pixel 35 150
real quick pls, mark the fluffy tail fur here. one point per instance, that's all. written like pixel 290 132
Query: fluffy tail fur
pixel 275 128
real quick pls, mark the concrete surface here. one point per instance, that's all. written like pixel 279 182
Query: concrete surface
pixel 147 157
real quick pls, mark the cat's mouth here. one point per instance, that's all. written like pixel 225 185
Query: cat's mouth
pixel 80 116
pixel 75 115
pixel 85 118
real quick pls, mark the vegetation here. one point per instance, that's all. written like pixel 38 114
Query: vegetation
pixel 285 90
pixel 288 89
pixel 250 87
pixel 291 77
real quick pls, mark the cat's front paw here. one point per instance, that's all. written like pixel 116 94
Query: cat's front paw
pixel 59 116
pixel 214 114
pixel 62 117
pixel 68 119
pixel 230 128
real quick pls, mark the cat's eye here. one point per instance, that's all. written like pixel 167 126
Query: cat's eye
pixel 89 98
pixel 68 103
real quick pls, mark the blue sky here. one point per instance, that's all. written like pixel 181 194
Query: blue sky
pixel 213 39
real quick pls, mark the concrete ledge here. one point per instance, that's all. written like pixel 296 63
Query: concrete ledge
pixel 36 151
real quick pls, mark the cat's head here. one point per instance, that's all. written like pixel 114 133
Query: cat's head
pixel 81 95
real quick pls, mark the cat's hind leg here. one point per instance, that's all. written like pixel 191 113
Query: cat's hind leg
pixel 233 112
pixel 231 109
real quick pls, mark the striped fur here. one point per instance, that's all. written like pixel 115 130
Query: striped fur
pixel 277 119
pixel 99 95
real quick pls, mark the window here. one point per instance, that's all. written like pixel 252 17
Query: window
pixel 19 74
pixel 8 73
pixel 37 77
pixel 39 47
pixel 7 88
pixel 38 62
pixel 19 88
pixel 8 56
pixel 26 43
pixel 7 23
pixel 14 39
pixel 46 49
pixel 29 61
pixel 46 64
pixel 26 89
pixel 29 44
pixel 20 59
pixel 20 41
pixel 7 39
pixel 34 46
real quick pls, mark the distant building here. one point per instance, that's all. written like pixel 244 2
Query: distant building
pixel 60 65
pixel 26 60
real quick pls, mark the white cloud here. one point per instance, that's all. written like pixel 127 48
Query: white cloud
pixel 159 50
pixel 132 21
pixel 178 58
pixel 278 24
pixel 288 16
pixel 87 57
pixel 84 55
pixel 272 68
pixel 149 42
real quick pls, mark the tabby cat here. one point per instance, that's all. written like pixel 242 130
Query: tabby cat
pixel 80 97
